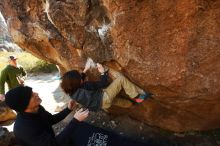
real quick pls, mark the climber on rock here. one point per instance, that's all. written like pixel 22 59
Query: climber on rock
pixel 96 95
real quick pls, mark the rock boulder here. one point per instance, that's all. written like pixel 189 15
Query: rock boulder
pixel 170 48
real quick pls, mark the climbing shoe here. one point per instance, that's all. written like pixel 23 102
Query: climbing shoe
pixel 142 97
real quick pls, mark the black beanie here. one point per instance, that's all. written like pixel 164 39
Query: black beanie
pixel 18 98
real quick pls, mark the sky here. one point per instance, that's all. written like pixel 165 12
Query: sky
pixel 2 19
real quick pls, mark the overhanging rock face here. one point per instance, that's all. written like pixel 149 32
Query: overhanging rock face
pixel 170 48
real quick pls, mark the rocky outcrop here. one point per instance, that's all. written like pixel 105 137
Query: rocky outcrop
pixel 6 113
pixel 7 138
pixel 4 35
pixel 5 39
pixel 170 48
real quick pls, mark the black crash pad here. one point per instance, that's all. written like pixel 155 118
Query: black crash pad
pixel 88 135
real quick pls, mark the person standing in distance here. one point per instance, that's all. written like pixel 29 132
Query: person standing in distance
pixel 13 74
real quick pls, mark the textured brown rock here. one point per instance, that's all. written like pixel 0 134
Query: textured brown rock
pixel 6 113
pixel 170 48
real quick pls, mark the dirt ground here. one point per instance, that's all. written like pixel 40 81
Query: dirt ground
pixel 53 99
